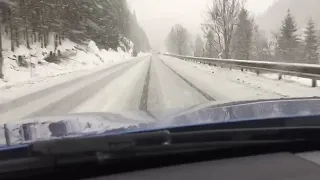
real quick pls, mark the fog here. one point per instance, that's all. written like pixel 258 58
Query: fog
pixel 158 16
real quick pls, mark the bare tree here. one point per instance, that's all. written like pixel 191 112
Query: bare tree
pixel 181 39
pixel 1 54
pixel 199 47
pixel 222 20
pixel 261 48
pixel 212 49
pixel 178 40
pixel 3 8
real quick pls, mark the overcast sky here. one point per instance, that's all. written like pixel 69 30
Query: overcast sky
pixel 158 16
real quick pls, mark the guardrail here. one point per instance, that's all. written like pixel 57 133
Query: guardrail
pixel 310 71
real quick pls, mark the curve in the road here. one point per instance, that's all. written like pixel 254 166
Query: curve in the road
pixel 207 96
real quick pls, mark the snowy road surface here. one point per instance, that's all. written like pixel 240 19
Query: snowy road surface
pixel 149 83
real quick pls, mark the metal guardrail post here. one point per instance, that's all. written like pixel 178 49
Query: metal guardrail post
pixel 314 83
pixel 7 135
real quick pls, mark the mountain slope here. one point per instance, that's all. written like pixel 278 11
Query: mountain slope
pixel 302 10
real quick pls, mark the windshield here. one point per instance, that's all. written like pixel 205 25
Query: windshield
pixel 122 63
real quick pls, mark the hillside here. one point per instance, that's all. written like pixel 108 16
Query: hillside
pixel 51 32
pixel 302 10
pixel 52 37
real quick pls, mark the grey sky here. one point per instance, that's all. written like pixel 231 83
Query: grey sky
pixel 158 16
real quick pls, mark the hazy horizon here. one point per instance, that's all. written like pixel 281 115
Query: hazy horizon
pixel 158 16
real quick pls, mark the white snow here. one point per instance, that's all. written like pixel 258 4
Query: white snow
pixel 16 90
pixel 300 80
pixel 51 98
pixel 118 92
pixel 235 85
pixel 78 60
pixel 76 57
pixel 251 61
pixel 174 91
pixel 75 125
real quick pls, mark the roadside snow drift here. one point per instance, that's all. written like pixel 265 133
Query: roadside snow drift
pixel 73 57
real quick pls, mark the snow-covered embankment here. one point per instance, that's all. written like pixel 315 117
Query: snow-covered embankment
pixel 74 57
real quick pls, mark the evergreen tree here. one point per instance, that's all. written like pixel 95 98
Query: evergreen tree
pixel 3 8
pixel 171 45
pixel 311 44
pixel 212 49
pixel 260 49
pixel 109 23
pixel 199 49
pixel 243 36
pixel 288 42
pixel 136 34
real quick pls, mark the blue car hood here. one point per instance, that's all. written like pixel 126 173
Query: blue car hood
pixel 74 125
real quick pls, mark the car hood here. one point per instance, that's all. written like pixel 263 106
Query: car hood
pixel 73 125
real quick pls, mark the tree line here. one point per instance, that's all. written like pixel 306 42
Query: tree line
pixel 109 23
pixel 230 32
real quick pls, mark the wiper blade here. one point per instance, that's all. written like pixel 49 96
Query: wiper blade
pixel 114 143
pixel 103 149
pixel 152 141
pixel 46 156
pixel 248 134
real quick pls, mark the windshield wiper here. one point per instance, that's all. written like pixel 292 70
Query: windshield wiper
pixel 114 143
pixel 158 142
pixel 47 155
pixel 104 149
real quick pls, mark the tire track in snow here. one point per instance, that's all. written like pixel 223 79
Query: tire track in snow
pixel 24 100
pixel 68 103
pixel 145 92
pixel 204 94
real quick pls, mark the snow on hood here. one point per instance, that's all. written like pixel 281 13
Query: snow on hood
pixel 45 128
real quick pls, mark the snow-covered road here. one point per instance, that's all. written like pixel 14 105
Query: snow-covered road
pixel 149 83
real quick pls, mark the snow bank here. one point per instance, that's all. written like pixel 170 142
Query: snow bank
pixel 111 55
pixel 74 57
pixel 289 86
pixel 300 80
pixel 141 54
pixel 272 76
